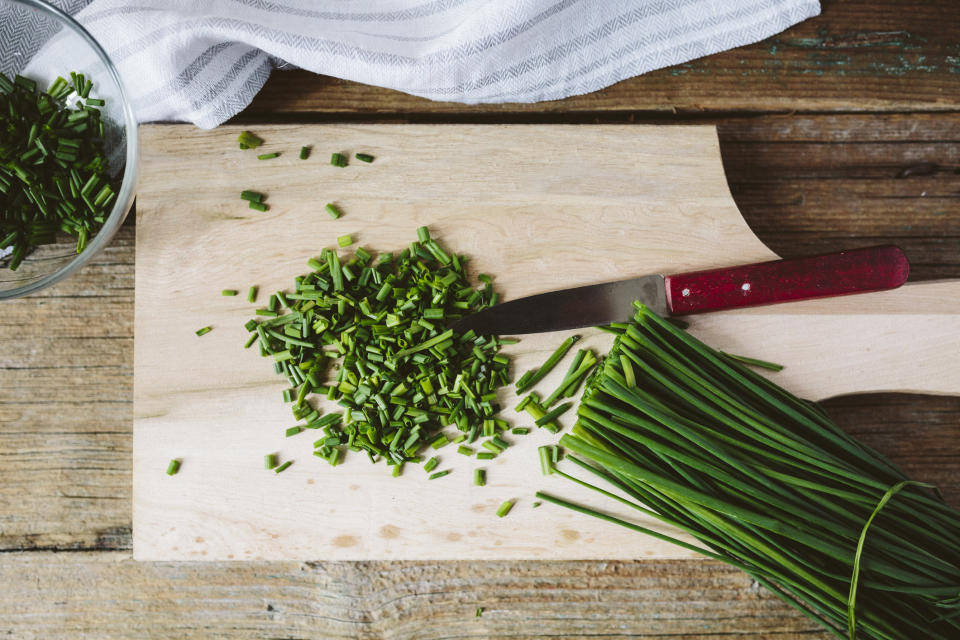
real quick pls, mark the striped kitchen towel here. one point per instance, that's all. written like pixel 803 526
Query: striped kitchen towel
pixel 203 60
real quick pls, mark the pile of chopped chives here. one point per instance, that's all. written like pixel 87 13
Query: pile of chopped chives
pixel 53 169
pixel 766 482
pixel 371 334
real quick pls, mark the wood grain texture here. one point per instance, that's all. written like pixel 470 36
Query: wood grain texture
pixel 877 55
pixel 54 450
pixel 573 215
pixel 107 596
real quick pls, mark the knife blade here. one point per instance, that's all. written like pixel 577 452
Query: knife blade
pixel 833 274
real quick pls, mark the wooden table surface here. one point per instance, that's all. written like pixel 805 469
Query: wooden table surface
pixel 816 124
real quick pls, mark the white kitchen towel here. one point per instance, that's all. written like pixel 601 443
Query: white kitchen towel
pixel 203 60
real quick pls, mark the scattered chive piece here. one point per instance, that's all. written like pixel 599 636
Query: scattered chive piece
pixel 547 366
pixel 338 160
pixel 431 464
pixel 270 461
pixel 520 431
pixel 536 504
pixel 248 140
pixel 486 455
pixel 252 196
pixel 228 292
pixel 505 508
pixel 203 331
pixel 465 450
pixel 173 467
pixel 268 156
pixel 364 157
pixel 252 294
pixel 479 477
pixel 397 470
pixel 546 460
pixel 333 210
pixel 304 153
pixel 258 206
pixel 283 467
pixel 345 241
pixel 292 431
pixel 479 611
pixel 440 474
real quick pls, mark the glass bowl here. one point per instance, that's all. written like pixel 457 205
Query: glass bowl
pixel 47 43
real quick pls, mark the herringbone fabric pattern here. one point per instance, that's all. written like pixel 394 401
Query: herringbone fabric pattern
pixel 204 61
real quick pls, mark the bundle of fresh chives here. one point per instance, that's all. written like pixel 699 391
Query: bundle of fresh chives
pixel 53 169
pixel 371 334
pixel 768 483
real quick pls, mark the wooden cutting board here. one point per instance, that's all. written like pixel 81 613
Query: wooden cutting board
pixel 541 207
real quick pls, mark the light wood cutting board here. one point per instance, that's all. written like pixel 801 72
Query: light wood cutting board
pixel 541 207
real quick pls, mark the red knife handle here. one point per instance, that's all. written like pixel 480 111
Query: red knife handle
pixel 833 274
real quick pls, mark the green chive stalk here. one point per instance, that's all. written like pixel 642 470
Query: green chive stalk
pixel 767 482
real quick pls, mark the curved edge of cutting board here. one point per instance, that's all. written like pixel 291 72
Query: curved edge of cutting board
pixel 905 340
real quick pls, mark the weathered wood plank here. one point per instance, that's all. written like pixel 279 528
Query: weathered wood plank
pixel 106 596
pixel 859 55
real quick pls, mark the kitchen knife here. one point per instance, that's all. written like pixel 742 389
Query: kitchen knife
pixel 833 274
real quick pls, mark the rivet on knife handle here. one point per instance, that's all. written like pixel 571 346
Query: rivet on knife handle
pixel 833 274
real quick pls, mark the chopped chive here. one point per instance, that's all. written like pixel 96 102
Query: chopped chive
pixel 333 210
pixel 270 461
pixel 536 504
pixel 546 460
pixel 479 477
pixel 431 464
pixel 439 474
pixel 364 157
pixel 479 611
pixel 345 240
pixel 486 455
pixel 54 173
pixel 292 431
pixel 400 374
pixel 338 160
pixel 520 431
pixel 553 414
pixel 252 294
pixel 203 331
pixel 228 292
pixel 252 196
pixel 504 508
pixel 268 156
pixel 257 206
pixel 304 153
pixel 283 467
pixel 173 467
pixel 249 140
